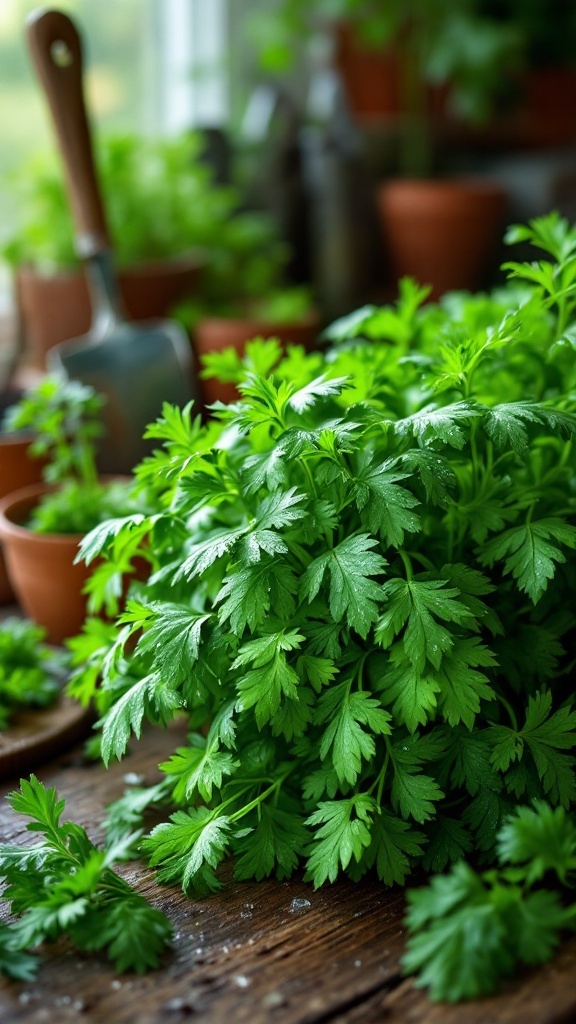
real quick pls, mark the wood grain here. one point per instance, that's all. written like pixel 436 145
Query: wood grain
pixel 255 952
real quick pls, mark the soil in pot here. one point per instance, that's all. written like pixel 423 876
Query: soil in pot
pixel 213 334
pixel 442 232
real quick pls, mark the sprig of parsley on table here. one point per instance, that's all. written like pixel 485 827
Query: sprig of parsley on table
pixel 28 668
pixel 65 885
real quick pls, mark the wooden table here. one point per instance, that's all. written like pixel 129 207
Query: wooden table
pixel 263 952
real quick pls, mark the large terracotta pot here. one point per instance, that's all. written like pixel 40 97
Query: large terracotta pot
pixel 442 232
pixel 57 307
pixel 213 334
pixel 17 469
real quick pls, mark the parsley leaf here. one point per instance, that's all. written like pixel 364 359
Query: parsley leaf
pixel 65 885
pixel 342 835
pixel 418 604
pixel 344 738
pixel 352 592
pixel 546 736
pixel 530 551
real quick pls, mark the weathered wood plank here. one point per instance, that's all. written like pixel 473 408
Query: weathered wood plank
pixel 266 952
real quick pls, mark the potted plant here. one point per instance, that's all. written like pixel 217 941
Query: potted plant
pixel 17 469
pixel 429 218
pixel 41 524
pixel 547 82
pixel 468 58
pixel 158 195
pixel 362 603
pixel 468 53
pixel 245 294
pixel 163 203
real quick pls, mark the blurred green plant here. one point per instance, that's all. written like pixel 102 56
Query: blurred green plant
pixel 27 668
pixel 439 43
pixel 548 28
pixel 162 201
pixel 64 417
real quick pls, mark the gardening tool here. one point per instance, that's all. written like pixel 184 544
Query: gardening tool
pixel 136 366
pixel 344 239
pixel 269 147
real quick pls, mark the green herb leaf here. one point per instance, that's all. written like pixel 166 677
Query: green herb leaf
pixel 352 593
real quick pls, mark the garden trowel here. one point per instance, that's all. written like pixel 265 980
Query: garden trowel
pixel 136 366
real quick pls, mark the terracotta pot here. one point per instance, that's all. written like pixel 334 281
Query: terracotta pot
pixel 370 76
pixel 17 469
pixel 57 307
pixel 47 583
pixel 441 232
pixel 373 80
pixel 213 334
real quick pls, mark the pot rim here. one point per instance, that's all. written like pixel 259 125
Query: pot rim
pixel 310 319
pixel 193 260
pixel 16 437
pixel 25 498
pixel 463 184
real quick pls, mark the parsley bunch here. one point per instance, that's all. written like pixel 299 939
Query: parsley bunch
pixel 28 668
pixel 65 885
pixel 361 590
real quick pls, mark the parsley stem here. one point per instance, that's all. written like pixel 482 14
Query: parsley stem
pixel 417 556
pixel 475 458
pixel 361 664
pixel 273 787
pixel 114 884
pixel 511 714
pixel 309 477
pixel 565 454
pixel 407 564
pixel 563 309
pixel 489 459
pixel 450 518
pixel 314 492
pixel 381 777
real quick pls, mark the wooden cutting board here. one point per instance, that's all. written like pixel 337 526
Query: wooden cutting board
pixel 37 734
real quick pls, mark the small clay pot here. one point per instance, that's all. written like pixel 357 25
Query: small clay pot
pixel 213 334
pixel 46 582
pixel 442 232
pixel 17 470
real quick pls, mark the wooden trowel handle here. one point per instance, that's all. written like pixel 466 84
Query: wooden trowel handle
pixel 56 50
